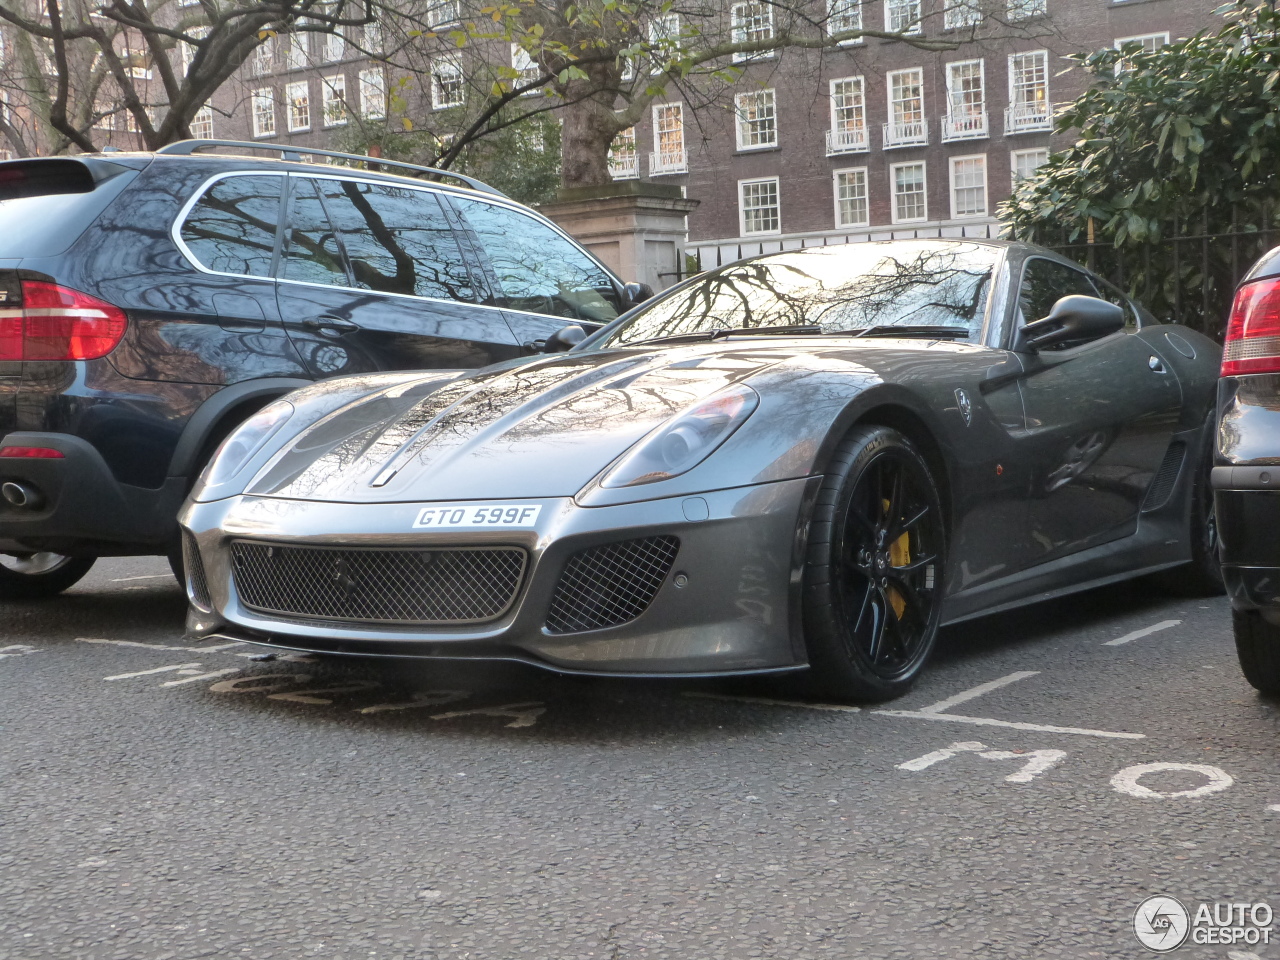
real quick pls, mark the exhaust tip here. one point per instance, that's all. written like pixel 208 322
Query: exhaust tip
pixel 20 495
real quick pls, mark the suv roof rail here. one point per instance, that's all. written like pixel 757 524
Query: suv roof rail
pixel 183 148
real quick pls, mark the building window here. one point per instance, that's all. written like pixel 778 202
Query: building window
pixel 335 47
pixel 843 16
pixel 909 202
pixel 202 123
pixel 750 23
pixel 624 160
pixel 961 13
pixel 668 140
pixel 446 85
pixel 968 187
pixel 758 206
pixel 373 38
pixel 187 51
pixel 296 53
pixel 264 57
pixel 851 198
pixel 298 98
pixel 902 16
pixel 966 117
pixel 373 94
pixel 756 119
pixel 444 12
pixel 1029 93
pixel 1147 43
pixel 906 126
pixel 1024 163
pixel 664 34
pixel 523 64
pixel 334 100
pixel 1025 9
pixel 264 113
pixel 848 116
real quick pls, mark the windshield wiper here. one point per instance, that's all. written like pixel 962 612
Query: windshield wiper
pixel 720 333
pixel 894 330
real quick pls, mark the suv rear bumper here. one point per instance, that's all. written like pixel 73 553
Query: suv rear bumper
pixel 1247 506
pixel 83 509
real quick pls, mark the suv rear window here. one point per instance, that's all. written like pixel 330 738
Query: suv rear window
pixel 46 204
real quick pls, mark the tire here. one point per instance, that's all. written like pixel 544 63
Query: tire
pixel 1258 647
pixel 1202 576
pixel 873 575
pixel 37 576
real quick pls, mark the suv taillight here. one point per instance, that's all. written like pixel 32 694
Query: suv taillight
pixel 1253 331
pixel 57 323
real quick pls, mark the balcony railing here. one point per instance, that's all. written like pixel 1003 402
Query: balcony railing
pixel 846 140
pixel 912 133
pixel 667 162
pixel 965 126
pixel 1028 118
pixel 625 166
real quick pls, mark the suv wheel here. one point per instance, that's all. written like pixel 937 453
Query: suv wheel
pixel 1258 646
pixel 34 576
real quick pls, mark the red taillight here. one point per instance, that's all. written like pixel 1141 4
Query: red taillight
pixel 57 323
pixel 1253 331
pixel 32 453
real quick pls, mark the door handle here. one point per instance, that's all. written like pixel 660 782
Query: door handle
pixel 330 326
pixel 1155 364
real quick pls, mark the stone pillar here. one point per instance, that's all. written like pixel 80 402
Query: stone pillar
pixel 638 229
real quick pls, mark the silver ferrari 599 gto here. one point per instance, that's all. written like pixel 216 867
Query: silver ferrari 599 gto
pixel 806 459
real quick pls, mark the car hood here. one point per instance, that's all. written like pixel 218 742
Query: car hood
pixel 542 429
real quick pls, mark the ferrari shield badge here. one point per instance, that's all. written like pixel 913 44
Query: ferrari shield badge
pixel 966 409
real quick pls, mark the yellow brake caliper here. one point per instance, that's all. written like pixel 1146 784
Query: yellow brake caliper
pixel 899 556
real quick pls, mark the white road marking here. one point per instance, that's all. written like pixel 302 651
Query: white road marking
pixel 977 691
pixel 203 676
pixel 836 707
pixel 1144 632
pixel 1008 724
pixel 150 576
pixel 522 714
pixel 17 650
pixel 313 696
pixel 160 646
pixel 423 698
pixel 929 759
pixel 1126 781
pixel 265 683
pixel 1274 808
pixel 1038 761
pixel 180 667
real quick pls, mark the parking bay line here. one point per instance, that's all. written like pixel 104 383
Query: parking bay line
pixel 976 692
pixel 1144 632
pixel 1009 724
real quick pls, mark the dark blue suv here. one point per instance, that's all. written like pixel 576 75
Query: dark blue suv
pixel 151 302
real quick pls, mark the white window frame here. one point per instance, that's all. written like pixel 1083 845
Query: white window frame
pixel 667 157
pixel 972 123
pixel 742 210
pixel 373 79
pixel 262 105
pixel 202 120
pixel 742 102
pixel 333 100
pixel 187 52
pixel 624 156
pixel 444 13
pixel 751 20
pixel 297 51
pixel 264 57
pixel 854 136
pixel 291 98
pixel 952 164
pixel 1162 36
pixel 1026 9
pixel 914 24
pixel 522 62
pixel 440 70
pixel 335 47
pixel 959 14
pixel 1038 121
pixel 866 196
pixel 893 191
pixel 659 31
pixel 1014 155
pixel 844 15
pixel 896 130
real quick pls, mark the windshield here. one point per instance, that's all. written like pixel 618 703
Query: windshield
pixel 853 287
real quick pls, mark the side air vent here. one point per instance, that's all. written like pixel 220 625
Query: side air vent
pixel 610 585
pixel 197 582
pixel 1162 483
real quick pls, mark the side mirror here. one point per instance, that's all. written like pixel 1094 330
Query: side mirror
pixel 566 338
pixel 1074 319
pixel 637 293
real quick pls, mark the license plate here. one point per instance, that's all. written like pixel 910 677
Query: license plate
pixel 453 515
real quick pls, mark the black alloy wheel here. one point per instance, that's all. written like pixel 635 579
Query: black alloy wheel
pixel 874 576
pixel 36 576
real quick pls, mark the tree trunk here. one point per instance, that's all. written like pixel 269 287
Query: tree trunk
pixel 588 132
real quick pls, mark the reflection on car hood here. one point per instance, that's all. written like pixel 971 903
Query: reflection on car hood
pixel 544 429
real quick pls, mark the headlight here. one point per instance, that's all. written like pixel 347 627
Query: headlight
pixel 245 441
pixel 685 440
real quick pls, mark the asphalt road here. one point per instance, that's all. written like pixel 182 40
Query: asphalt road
pixel 159 801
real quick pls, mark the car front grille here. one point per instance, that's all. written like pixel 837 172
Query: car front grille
pixel 197 582
pixel 409 586
pixel 610 585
